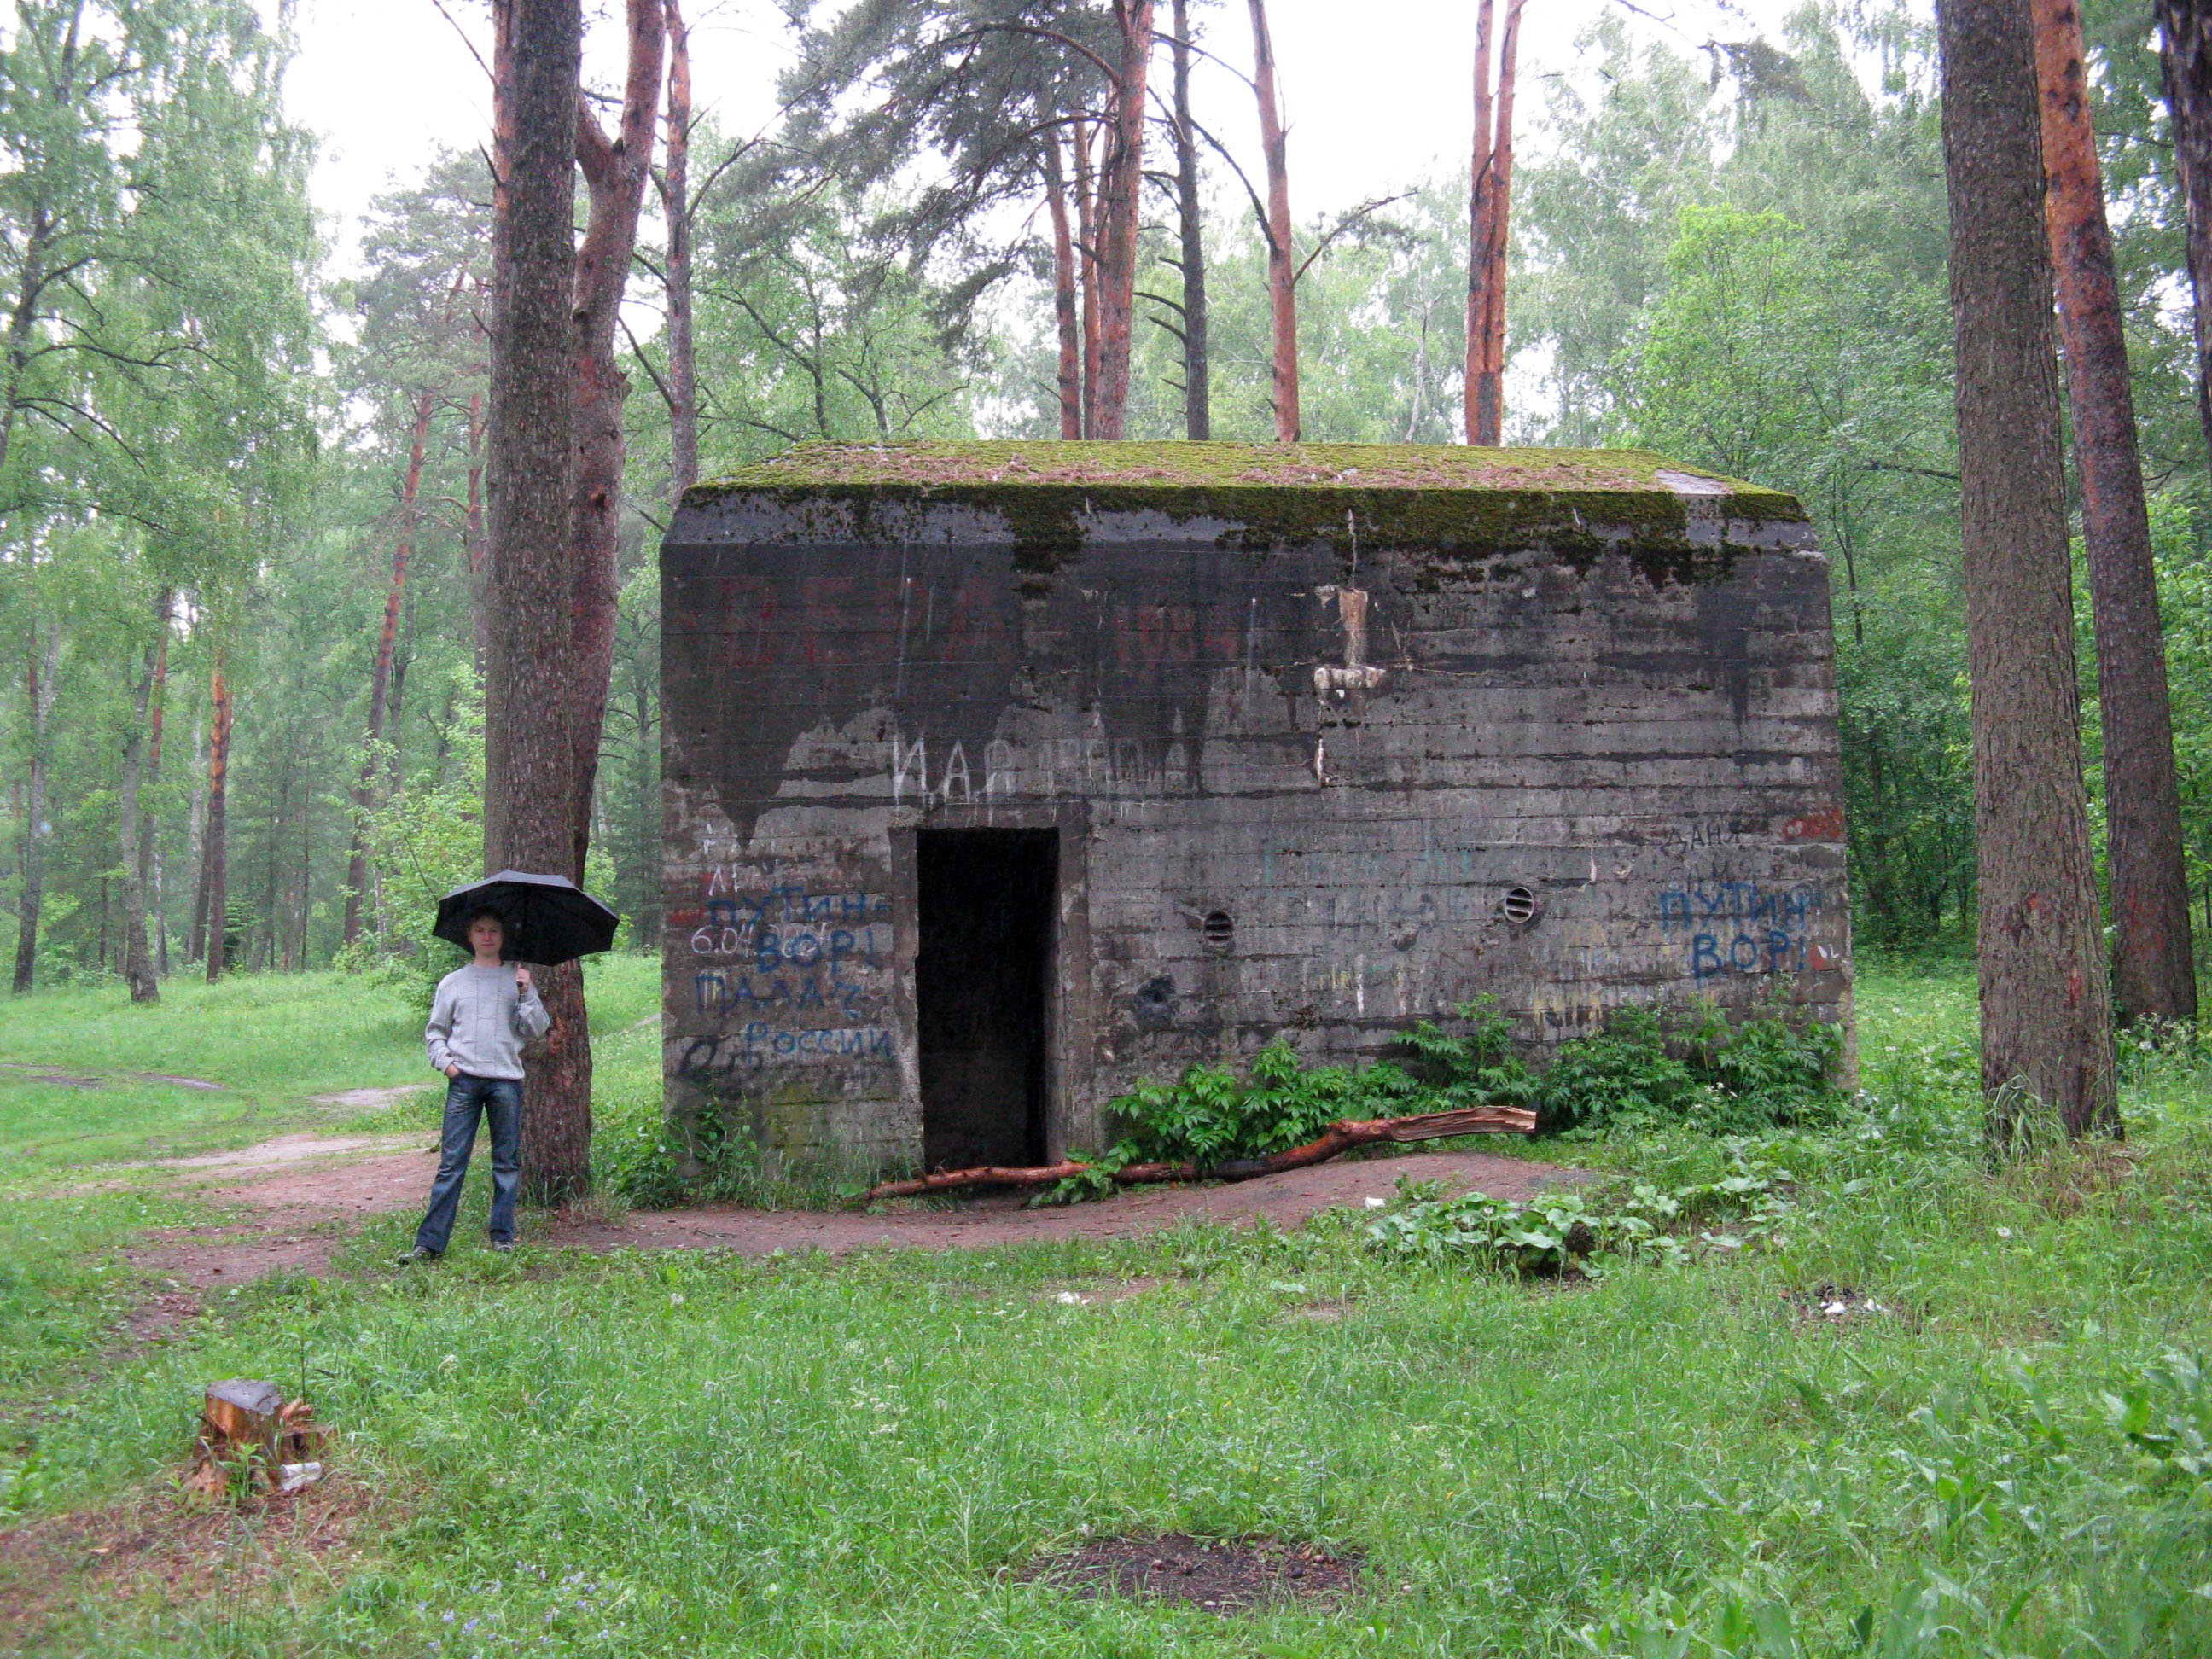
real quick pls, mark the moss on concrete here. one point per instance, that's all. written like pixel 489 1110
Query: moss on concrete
pixel 1436 497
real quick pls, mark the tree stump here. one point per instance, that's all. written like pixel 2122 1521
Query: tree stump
pixel 251 1424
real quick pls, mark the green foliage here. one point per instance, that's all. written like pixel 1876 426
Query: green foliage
pixel 1570 1231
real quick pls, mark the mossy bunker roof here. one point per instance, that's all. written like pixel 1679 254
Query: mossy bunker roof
pixel 1057 495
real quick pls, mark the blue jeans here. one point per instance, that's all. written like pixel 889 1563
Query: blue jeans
pixel 498 1099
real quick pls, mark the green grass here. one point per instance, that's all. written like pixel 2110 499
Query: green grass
pixel 696 1454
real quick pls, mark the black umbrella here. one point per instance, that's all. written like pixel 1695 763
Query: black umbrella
pixel 549 918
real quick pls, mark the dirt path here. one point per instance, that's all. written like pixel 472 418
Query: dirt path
pixel 303 1195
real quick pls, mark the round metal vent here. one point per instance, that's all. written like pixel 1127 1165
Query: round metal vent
pixel 1218 930
pixel 1517 905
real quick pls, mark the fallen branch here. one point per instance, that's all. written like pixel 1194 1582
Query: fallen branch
pixel 1337 1139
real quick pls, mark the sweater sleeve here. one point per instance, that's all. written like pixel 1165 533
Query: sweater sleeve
pixel 531 1018
pixel 439 1032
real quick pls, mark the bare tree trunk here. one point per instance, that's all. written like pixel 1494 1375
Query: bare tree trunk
pixel 1190 213
pixel 40 682
pixel 149 850
pixel 1282 270
pixel 380 678
pixel 530 785
pixel 217 882
pixel 2046 1025
pixel 1120 206
pixel 682 357
pixel 137 961
pixel 2184 37
pixel 195 846
pixel 1087 252
pixel 2153 967
pixel 1064 285
pixel 1490 200
pixel 479 558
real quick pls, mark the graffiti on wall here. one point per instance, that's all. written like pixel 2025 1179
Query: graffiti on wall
pixel 778 963
pixel 1730 927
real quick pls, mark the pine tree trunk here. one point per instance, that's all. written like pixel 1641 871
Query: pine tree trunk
pixel 1064 284
pixel 216 885
pixel 2046 1025
pixel 196 848
pixel 1120 206
pixel 530 783
pixel 380 677
pixel 40 682
pixel 1490 200
pixel 1087 256
pixel 683 356
pixel 149 849
pixel 1190 213
pixel 473 531
pixel 137 958
pixel 1282 271
pixel 2153 967
pixel 2184 36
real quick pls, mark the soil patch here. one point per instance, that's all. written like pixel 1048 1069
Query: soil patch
pixel 1285 1200
pixel 101 1079
pixel 57 1572
pixel 372 1100
pixel 303 1194
pixel 1237 1575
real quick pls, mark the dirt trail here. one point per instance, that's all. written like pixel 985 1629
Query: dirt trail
pixel 304 1196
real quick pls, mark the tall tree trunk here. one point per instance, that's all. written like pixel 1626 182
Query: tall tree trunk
pixel 1120 208
pixel 379 677
pixel 137 959
pixel 149 848
pixel 216 885
pixel 1064 284
pixel 1086 253
pixel 682 357
pixel 2184 40
pixel 530 783
pixel 1490 201
pixel 195 846
pixel 1190 213
pixel 2046 1025
pixel 1282 270
pixel 2153 969
pixel 40 682
pixel 473 531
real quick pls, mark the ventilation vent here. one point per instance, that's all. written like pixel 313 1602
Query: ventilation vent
pixel 1518 906
pixel 1218 930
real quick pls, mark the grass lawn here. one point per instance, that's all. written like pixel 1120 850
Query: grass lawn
pixel 701 1455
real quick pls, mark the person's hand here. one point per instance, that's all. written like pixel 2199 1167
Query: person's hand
pixel 521 978
pixel 453 1071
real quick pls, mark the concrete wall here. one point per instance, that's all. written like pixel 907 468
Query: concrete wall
pixel 1361 759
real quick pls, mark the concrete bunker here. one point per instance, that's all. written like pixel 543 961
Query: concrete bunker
pixel 1001 777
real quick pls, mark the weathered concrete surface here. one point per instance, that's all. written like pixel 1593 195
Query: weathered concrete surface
pixel 1599 770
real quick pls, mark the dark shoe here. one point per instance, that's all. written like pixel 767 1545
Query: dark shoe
pixel 420 1253
pixel 502 1245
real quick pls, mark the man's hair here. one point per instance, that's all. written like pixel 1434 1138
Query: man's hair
pixel 480 913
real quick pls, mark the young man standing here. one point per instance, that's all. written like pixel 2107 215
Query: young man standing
pixel 481 1016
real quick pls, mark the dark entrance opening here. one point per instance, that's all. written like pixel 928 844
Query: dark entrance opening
pixel 986 912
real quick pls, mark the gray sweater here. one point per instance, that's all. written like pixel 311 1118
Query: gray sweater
pixel 479 1023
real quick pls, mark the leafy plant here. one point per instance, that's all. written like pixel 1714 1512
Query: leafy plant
pixel 1560 1232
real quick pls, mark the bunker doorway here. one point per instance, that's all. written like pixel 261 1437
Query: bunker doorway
pixel 980 1001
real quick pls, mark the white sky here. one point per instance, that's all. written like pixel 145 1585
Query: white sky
pixel 1377 93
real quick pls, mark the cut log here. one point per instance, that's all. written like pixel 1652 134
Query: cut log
pixel 1337 1139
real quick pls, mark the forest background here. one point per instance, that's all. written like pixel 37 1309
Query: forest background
pixel 241 525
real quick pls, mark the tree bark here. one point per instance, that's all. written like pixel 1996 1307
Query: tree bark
pixel 530 783
pixel 1120 206
pixel 150 851
pixel 473 532
pixel 683 356
pixel 2046 1024
pixel 1064 285
pixel 2153 967
pixel 216 884
pixel 380 677
pixel 1282 271
pixel 1490 200
pixel 1086 266
pixel 41 683
pixel 137 959
pixel 1190 213
pixel 2184 40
